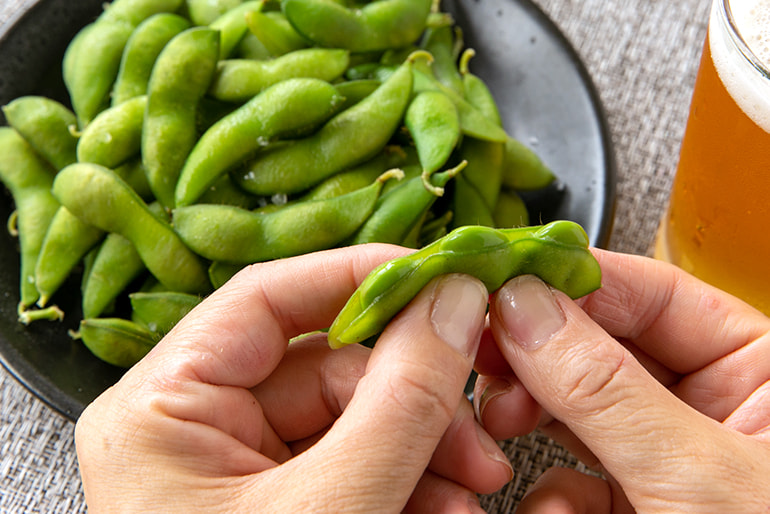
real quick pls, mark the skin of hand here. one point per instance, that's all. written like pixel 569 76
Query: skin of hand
pixel 657 380
pixel 224 415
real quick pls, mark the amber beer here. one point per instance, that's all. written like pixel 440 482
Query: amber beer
pixel 718 221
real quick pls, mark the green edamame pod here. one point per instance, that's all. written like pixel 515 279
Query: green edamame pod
pixel 115 135
pixel 132 172
pixel 232 27
pixel 67 240
pixel 203 12
pixel 92 59
pixel 399 210
pixel 374 26
pixel 353 91
pixel 468 205
pixel 275 32
pixel 159 312
pixel 116 341
pixel 98 196
pixel 46 125
pixel 234 235
pixel 349 138
pixel 223 191
pixel 523 169
pixel 287 108
pixel 115 265
pixel 440 43
pixel 476 91
pixel 239 80
pixel 28 177
pixel 485 167
pixel 557 253
pixel 135 12
pixel 357 177
pixel 140 53
pixel 434 229
pixel 181 76
pixel 221 272
pixel 472 122
pixel 91 64
pixel 510 210
pixel 434 125
pixel 251 47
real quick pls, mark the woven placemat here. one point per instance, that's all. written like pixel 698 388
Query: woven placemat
pixel 642 56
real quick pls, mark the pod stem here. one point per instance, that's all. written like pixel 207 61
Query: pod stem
pixel 52 313
pixel 13 224
pixel 465 58
pixel 439 190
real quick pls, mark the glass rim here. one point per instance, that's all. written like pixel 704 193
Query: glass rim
pixel 739 41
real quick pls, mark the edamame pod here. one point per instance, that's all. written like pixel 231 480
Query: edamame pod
pixel 485 167
pixel 116 341
pixel 399 210
pixel 440 42
pixel 472 122
pixel 289 107
pixel 67 240
pixel 135 12
pixel 203 12
pixel 477 92
pixel 349 138
pixel 98 196
pixel 468 205
pixel 115 265
pixel 47 126
pixel 275 32
pixel 238 80
pixel 510 210
pixel 234 235
pixel 180 78
pixel 92 59
pixel 115 134
pixel 159 312
pixel 374 26
pixel 91 64
pixel 523 169
pixel 557 253
pixel 140 53
pixel 434 125
pixel 357 177
pixel 232 27
pixel 353 91
pixel 28 177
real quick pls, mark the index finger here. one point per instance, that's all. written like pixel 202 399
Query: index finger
pixel 237 336
pixel 680 321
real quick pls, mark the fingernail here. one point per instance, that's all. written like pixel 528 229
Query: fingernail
pixel 529 311
pixel 494 452
pixel 458 311
pixel 497 387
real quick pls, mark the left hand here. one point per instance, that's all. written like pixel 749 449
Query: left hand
pixel 225 415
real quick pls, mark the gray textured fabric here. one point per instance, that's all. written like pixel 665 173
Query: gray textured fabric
pixel 642 56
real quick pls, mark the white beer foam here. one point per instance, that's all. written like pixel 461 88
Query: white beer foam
pixel 746 85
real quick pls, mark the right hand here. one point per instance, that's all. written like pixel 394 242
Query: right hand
pixel 659 381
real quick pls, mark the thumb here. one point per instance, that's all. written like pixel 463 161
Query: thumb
pixel 584 378
pixel 409 394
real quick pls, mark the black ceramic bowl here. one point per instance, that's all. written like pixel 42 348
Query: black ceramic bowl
pixel 545 95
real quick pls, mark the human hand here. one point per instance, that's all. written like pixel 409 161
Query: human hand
pixel 659 381
pixel 223 416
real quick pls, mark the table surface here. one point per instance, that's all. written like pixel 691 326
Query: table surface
pixel 642 56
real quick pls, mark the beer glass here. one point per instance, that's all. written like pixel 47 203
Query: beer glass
pixel 717 225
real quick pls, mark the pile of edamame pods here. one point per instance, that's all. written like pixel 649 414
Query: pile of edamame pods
pixel 204 135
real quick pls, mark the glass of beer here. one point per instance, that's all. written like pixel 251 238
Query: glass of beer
pixel 717 225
